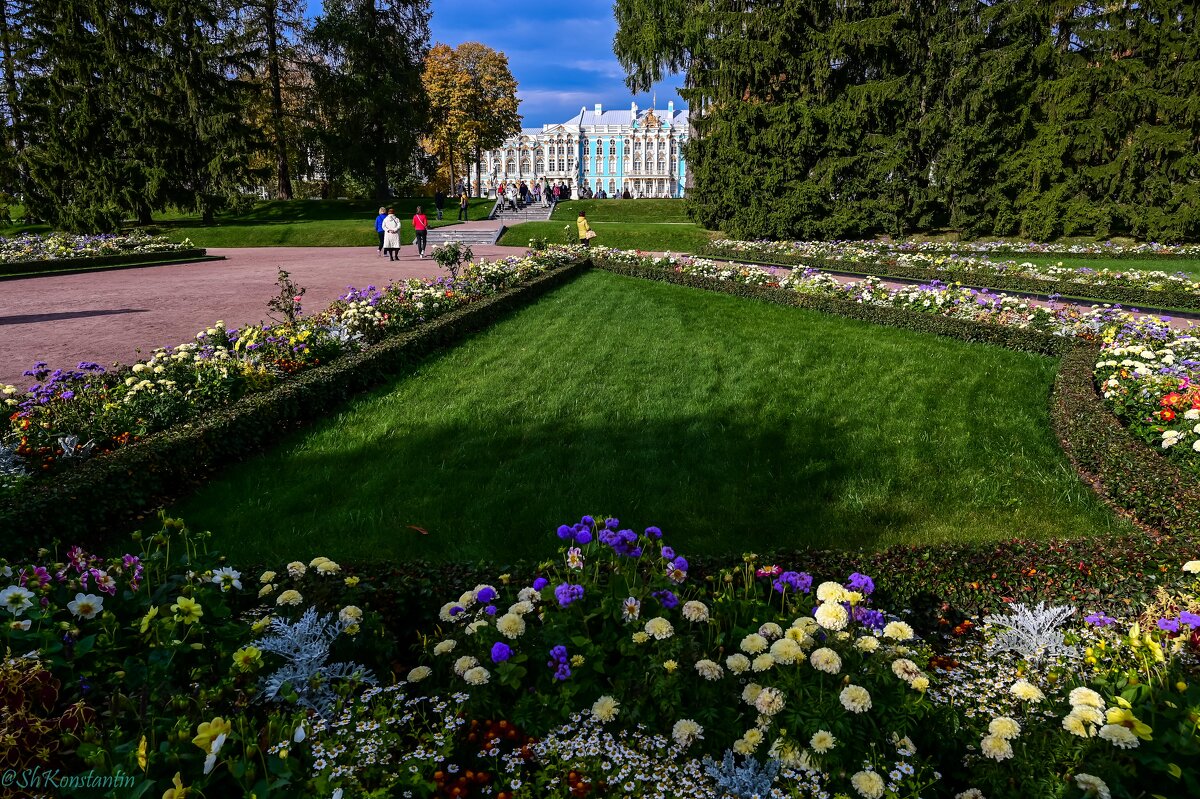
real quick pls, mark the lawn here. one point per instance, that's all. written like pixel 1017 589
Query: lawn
pixel 734 425
pixel 652 237
pixel 663 211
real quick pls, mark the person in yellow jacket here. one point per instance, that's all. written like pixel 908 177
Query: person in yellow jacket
pixel 586 234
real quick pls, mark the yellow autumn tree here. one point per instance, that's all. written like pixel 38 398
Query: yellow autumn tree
pixel 472 103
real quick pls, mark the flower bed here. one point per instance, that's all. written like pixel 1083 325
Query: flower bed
pixel 39 248
pixel 1176 290
pixel 1106 249
pixel 229 392
pixel 1162 498
pixel 612 670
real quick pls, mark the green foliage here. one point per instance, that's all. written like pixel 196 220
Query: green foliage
pixel 831 120
pixel 368 86
pixel 648 237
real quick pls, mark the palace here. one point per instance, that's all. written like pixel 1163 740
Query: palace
pixel 609 150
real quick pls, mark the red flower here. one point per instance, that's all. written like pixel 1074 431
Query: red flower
pixel 1166 414
pixel 1170 399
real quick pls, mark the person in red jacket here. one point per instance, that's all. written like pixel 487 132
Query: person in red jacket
pixel 421 226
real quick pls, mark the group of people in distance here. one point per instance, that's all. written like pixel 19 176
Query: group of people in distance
pixel 389 227
pixel 516 195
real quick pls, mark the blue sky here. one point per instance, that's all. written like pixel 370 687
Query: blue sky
pixel 560 52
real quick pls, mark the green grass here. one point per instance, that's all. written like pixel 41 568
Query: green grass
pixel 734 425
pixel 663 211
pixel 652 237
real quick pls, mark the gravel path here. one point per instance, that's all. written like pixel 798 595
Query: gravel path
pixel 106 316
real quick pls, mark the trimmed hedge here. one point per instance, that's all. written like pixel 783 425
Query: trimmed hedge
pixel 102 493
pixel 1115 294
pixel 17 268
pixel 1120 467
pixel 966 330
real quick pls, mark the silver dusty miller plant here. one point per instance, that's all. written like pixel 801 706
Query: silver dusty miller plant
pixel 1033 633
pixel 745 781
pixel 304 646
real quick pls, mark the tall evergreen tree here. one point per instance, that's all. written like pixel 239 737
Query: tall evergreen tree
pixel 367 82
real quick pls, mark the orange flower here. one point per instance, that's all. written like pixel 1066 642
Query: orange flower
pixel 1170 399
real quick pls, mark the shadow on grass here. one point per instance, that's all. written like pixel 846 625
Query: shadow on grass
pixel 498 491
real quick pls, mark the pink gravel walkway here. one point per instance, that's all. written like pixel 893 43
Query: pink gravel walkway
pixel 106 316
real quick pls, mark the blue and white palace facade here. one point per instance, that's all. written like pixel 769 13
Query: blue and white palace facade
pixel 639 150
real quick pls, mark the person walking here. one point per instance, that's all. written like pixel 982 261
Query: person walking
pixel 544 192
pixel 391 235
pixel 586 234
pixel 379 227
pixel 439 202
pixel 421 231
pixel 463 202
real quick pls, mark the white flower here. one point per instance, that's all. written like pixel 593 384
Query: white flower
pixel 296 569
pixel 826 660
pixel 631 609
pixel 605 708
pixel 831 592
pixel 822 741
pixel 476 626
pixel 970 793
pixel 467 599
pixel 753 644
pixel 905 669
pixel 1119 736
pixel 996 748
pixel 419 673
pixel 737 663
pixel 770 701
pixel 709 670
pixel 227 577
pixel 463 664
pixel 265 590
pixel 511 625
pixel 751 692
pixel 1004 727
pixel 1086 697
pixel 575 558
pixel 786 651
pixel 686 731
pixel 762 662
pixel 211 760
pixel 770 631
pixel 868 784
pixel 16 599
pixel 898 631
pixel 86 606
pixel 855 698
pixel 867 643
pixel 806 623
pixel 832 616
pixel 521 608
pixel 351 614
pixel 299 735
pixel 695 611
pixel 445 646
pixel 477 675
pixel 23 625
pixel 1092 786
pixel 659 628
pixel 1026 691
pixel 1192 566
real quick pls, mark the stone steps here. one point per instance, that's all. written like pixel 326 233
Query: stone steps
pixel 449 234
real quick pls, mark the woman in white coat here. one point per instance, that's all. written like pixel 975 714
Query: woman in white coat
pixel 545 187
pixel 391 235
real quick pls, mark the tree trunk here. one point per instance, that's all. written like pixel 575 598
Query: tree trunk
pixel 478 170
pixel 283 189
pixel 381 187
pixel 10 79
pixel 450 159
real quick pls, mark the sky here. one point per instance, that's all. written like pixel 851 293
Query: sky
pixel 560 52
